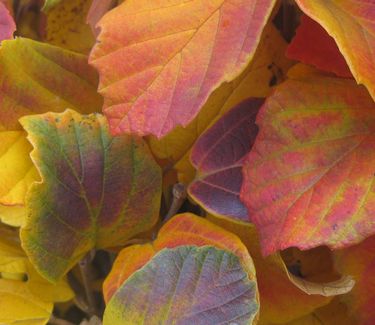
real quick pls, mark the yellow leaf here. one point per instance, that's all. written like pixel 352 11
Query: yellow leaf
pixel 25 297
pixel 267 67
pixel 66 25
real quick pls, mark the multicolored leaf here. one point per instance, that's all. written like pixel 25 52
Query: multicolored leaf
pixel 284 296
pixel 93 189
pixel 218 156
pixel 312 45
pixel 186 285
pixel 156 71
pixel 7 26
pixel 181 230
pixel 266 69
pixel 25 297
pixel 308 180
pixel 66 25
pixel 37 78
pixel 359 261
pixel 350 23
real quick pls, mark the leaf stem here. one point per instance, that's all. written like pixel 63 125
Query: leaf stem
pixel 179 195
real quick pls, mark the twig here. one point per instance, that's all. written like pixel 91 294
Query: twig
pixel 84 265
pixel 179 196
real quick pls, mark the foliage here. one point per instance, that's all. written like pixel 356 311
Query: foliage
pixel 187 162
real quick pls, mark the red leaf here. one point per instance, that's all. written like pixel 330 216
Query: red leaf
pixel 308 180
pixel 312 45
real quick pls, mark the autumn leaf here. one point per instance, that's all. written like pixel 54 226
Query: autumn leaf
pixel 349 22
pixel 156 71
pixel 180 232
pixel 66 25
pixel 283 296
pixel 36 78
pixel 97 10
pixel 17 173
pixel 25 297
pixel 218 155
pixel 8 25
pixel 186 285
pixel 266 69
pixel 333 313
pixel 16 169
pixel 312 45
pixel 91 192
pixel 359 262
pixel 308 180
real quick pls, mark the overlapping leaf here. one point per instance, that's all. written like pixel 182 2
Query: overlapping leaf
pixel 16 169
pixel 92 192
pixel 37 78
pixel 157 71
pixel 25 297
pixel 97 10
pixel 350 23
pixel 218 156
pixel 186 285
pixel 66 25
pixel 312 45
pixel 308 180
pixel 182 230
pixel 7 26
pixel 283 296
pixel 266 69
pixel 359 261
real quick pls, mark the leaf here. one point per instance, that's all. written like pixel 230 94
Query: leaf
pixel 312 45
pixel 149 91
pixel 37 78
pixel 183 229
pixel 23 301
pixel 186 285
pixel 8 26
pixel 333 313
pixel 17 171
pixel 350 23
pixel 97 10
pixel 218 155
pixel 359 262
pixel 66 25
pixel 13 215
pixel 92 192
pixel 308 180
pixel 281 299
pixel 268 66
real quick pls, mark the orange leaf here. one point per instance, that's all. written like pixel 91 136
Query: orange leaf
pixel 160 60
pixel 351 24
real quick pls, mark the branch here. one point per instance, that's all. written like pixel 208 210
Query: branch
pixel 179 195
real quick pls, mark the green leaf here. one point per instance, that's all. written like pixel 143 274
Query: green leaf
pixel 186 285
pixel 97 190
